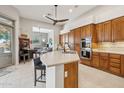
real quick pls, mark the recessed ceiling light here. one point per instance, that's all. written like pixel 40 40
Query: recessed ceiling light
pixel 70 10
pixel 44 15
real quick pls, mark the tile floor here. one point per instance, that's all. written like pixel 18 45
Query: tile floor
pixel 22 77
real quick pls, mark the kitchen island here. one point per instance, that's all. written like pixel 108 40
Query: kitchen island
pixel 61 69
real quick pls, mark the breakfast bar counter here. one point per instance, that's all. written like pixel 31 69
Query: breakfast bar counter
pixel 61 69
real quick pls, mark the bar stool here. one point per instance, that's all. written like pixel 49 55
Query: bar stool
pixel 38 65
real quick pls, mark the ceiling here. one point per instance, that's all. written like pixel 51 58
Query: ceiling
pixel 37 12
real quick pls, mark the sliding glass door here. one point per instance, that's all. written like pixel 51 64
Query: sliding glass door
pixel 5 44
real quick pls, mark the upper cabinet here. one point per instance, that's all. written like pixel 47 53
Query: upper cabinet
pixel 66 37
pixel 77 35
pixel 104 32
pixel 107 31
pixel 99 29
pixel 61 39
pixel 71 39
pixel 118 29
pixel 88 31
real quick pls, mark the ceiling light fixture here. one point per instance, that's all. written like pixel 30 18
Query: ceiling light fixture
pixel 70 10
pixel 44 15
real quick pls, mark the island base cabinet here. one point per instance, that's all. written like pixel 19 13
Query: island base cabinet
pixel 71 75
pixel 122 66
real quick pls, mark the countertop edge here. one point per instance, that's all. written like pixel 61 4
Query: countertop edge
pixel 62 63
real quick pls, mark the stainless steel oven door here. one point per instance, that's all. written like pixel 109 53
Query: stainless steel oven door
pixel 85 54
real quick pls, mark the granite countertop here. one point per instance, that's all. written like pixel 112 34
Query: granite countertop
pixel 58 57
pixel 114 51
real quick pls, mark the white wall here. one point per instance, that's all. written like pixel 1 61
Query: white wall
pixel 12 13
pixel 96 15
pixel 27 24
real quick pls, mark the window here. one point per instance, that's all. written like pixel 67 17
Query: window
pixel 5 35
pixel 41 37
pixel 6 21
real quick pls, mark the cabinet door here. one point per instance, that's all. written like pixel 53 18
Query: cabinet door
pixel 66 37
pixel 117 29
pixel 107 31
pixel 104 62
pixel 83 32
pixel 62 39
pixel 71 77
pixel 88 31
pixel 77 48
pixel 71 39
pixel 95 61
pixel 77 36
pixel 100 32
pixel 122 65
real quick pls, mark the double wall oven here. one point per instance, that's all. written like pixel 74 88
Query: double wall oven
pixel 85 45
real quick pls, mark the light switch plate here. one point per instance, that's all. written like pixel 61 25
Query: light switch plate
pixel 66 74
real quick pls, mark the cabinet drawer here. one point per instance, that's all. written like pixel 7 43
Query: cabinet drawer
pixel 96 53
pixel 115 56
pixel 115 60
pixel 104 54
pixel 115 70
pixel 115 65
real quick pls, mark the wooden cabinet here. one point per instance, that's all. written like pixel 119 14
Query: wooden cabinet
pixel 61 39
pixel 77 35
pixel 71 77
pixel 83 32
pixel 77 48
pixel 115 64
pixel 118 29
pixel 104 61
pixel 107 31
pixel 66 38
pixel 122 65
pixel 88 31
pixel 77 39
pixel 95 60
pixel 100 33
pixel 86 62
pixel 71 39
pixel 104 32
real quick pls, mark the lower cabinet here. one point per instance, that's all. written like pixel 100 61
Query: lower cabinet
pixel 112 63
pixel 71 75
pixel 122 65
pixel 86 61
pixel 95 60
pixel 115 64
pixel 104 61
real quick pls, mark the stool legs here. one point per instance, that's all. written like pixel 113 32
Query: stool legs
pixel 35 77
pixel 24 59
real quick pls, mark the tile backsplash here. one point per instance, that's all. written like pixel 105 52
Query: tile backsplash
pixel 111 45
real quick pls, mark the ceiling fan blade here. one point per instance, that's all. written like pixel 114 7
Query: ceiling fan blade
pixel 54 22
pixel 63 20
pixel 49 18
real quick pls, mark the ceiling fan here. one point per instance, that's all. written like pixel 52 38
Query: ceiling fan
pixel 55 21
